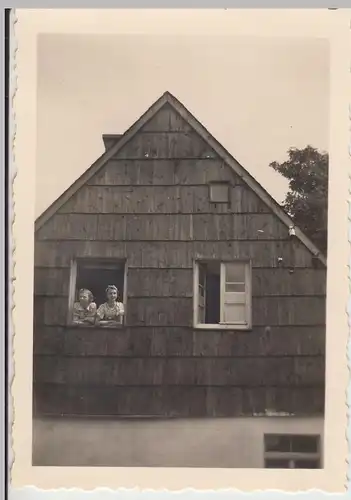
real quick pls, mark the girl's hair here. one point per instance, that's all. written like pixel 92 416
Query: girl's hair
pixel 85 290
pixel 111 287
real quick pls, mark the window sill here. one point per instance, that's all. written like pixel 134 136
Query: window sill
pixel 222 326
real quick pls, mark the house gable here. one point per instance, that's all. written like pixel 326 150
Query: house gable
pixel 146 202
pixel 165 168
pixel 168 132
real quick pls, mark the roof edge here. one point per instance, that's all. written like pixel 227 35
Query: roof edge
pixel 245 175
pixel 100 162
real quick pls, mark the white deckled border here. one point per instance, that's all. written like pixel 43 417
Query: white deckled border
pixel 12 243
pixel 274 23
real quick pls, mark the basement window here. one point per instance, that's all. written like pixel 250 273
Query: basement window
pixel 219 192
pixel 222 295
pixel 292 451
pixel 96 275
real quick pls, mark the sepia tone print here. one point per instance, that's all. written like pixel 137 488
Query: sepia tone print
pixel 177 302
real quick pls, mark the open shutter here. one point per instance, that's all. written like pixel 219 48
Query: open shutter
pixel 201 294
pixel 234 293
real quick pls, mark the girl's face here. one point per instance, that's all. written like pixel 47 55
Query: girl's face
pixel 84 298
pixel 111 295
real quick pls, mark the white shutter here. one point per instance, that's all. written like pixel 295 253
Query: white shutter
pixel 201 294
pixel 234 293
pixel 72 290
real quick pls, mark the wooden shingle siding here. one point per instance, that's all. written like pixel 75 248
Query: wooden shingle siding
pixel 177 341
pixel 149 205
pixel 285 310
pixel 292 282
pixel 173 401
pixel 176 254
pixel 166 145
pixel 53 281
pixel 183 199
pixel 160 282
pixel 165 311
pixel 164 227
pixel 244 372
pixel 168 282
pixel 170 311
pixel 166 120
pixel 50 310
pixel 157 172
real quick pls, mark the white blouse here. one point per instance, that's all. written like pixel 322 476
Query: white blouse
pixel 80 314
pixel 106 312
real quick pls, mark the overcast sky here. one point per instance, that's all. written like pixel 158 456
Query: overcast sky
pixel 257 96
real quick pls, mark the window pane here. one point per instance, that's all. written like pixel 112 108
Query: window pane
pixel 276 463
pixel 219 193
pixel 235 287
pixel 304 444
pixel 234 298
pixel 235 273
pixel 275 442
pixel 234 313
pixel 306 464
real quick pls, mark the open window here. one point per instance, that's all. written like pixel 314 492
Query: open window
pixel 222 294
pixel 292 451
pixel 96 275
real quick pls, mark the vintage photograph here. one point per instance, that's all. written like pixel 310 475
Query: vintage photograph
pixel 180 255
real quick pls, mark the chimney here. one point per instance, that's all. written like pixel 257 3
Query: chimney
pixel 110 140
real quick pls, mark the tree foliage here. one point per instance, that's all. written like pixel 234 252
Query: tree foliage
pixel 307 199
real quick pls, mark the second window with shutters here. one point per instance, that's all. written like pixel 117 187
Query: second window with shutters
pixel 222 294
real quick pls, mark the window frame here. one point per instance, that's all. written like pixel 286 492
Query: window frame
pixel 73 281
pixel 292 456
pixel 248 295
pixel 216 184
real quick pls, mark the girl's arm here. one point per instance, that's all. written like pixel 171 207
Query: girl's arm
pixel 91 313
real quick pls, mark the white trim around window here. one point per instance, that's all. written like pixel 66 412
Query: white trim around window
pixel 72 290
pixel 235 295
pixel 94 264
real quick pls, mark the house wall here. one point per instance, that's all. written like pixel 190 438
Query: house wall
pixel 211 443
pixel 150 205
